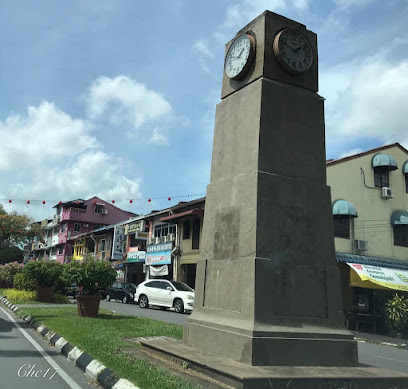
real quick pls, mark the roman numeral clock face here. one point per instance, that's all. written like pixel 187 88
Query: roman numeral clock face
pixel 293 50
pixel 240 56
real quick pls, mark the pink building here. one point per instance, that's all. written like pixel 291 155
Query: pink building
pixel 79 216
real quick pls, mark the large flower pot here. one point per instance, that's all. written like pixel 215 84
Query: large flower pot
pixel 88 306
pixel 44 293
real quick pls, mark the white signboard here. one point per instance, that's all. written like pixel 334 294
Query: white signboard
pixel 118 243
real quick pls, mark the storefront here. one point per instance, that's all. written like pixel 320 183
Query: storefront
pixel 135 266
pixel 367 283
pixel 159 261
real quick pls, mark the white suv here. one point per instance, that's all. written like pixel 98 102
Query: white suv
pixel 165 294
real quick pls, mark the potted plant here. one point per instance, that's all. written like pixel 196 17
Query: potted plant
pixel 396 314
pixel 44 274
pixel 90 275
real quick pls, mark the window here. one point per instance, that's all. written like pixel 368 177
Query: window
pixel 64 227
pixel 61 250
pixel 196 234
pixel 406 182
pixel 77 227
pixel 99 208
pixel 381 176
pixel 341 226
pixel 401 235
pixel 186 229
pixel 164 229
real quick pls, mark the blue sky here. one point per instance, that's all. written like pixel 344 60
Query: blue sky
pixel 117 98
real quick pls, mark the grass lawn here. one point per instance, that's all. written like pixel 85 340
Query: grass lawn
pixel 103 338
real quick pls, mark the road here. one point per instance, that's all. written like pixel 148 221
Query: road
pixel 369 354
pixel 168 316
pixel 27 361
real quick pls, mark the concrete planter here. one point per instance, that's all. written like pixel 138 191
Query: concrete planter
pixel 44 293
pixel 88 306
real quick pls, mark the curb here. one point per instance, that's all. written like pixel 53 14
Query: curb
pixel 94 369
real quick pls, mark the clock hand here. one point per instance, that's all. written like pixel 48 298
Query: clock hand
pixel 297 50
pixel 289 46
pixel 239 56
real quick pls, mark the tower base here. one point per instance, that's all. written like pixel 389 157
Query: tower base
pixel 239 375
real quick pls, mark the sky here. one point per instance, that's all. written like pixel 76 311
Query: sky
pixel 116 98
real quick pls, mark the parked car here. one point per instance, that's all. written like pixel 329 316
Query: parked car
pixel 165 294
pixel 123 291
pixel 72 290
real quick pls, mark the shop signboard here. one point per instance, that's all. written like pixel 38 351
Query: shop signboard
pixel 118 243
pixel 390 278
pixel 136 226
pixel 136 256
pixel 142 235
pixel 159 254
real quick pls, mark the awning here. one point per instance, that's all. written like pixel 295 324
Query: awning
pixel 399 217
pixel 376 277
pixel 371 260
pixel 344 208
pixel 384 160
pixel 405 168
pixel 175 217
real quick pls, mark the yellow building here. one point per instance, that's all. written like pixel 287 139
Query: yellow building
pixel 370 214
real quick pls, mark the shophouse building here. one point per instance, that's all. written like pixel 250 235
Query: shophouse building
pixel 369 194
pixel 75 218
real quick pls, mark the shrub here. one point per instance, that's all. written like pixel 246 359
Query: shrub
pixel 61 285
pixel 20 295
pixel 22 282
pixel 45 273
pixel 90 274
pixel 8 272
pixel 396 313
pixel 60 299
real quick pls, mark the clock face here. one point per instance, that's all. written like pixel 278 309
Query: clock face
pixel 240 56
pixel 293 50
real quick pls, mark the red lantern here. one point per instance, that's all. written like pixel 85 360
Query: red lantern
pixel 28 201
pixel 169 198
pixel 130 201
pixel 43 202
pixel 149 200
pixel 77 202
pixel 10 201
pixel 113 201
pixel 60 203
pixel 94 202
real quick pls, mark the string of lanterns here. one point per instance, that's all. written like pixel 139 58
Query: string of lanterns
pixel 149 200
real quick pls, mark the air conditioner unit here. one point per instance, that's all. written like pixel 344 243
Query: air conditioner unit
pixel 85 225
pixel 170 238
pixel 162 239
pixel 361 245
pixel 104 211
pixel 156 240
pixel 387 193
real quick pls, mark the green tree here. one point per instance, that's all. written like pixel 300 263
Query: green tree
pixel 15 232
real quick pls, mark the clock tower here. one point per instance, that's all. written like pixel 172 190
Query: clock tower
pixel 267 300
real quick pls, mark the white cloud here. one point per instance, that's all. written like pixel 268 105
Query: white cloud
pixel 202 49
pixel 92 174
pixel 158 138
pixel 44 136
pixel 124 100
pixel 367 100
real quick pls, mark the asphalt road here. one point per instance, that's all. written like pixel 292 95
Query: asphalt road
pixel 132 309
pixel 27 361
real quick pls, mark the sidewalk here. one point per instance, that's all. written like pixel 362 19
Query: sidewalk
pixel 381 339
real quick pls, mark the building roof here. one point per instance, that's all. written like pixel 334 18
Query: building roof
pixel 176 216
pixel 373 261
pixel 332 162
